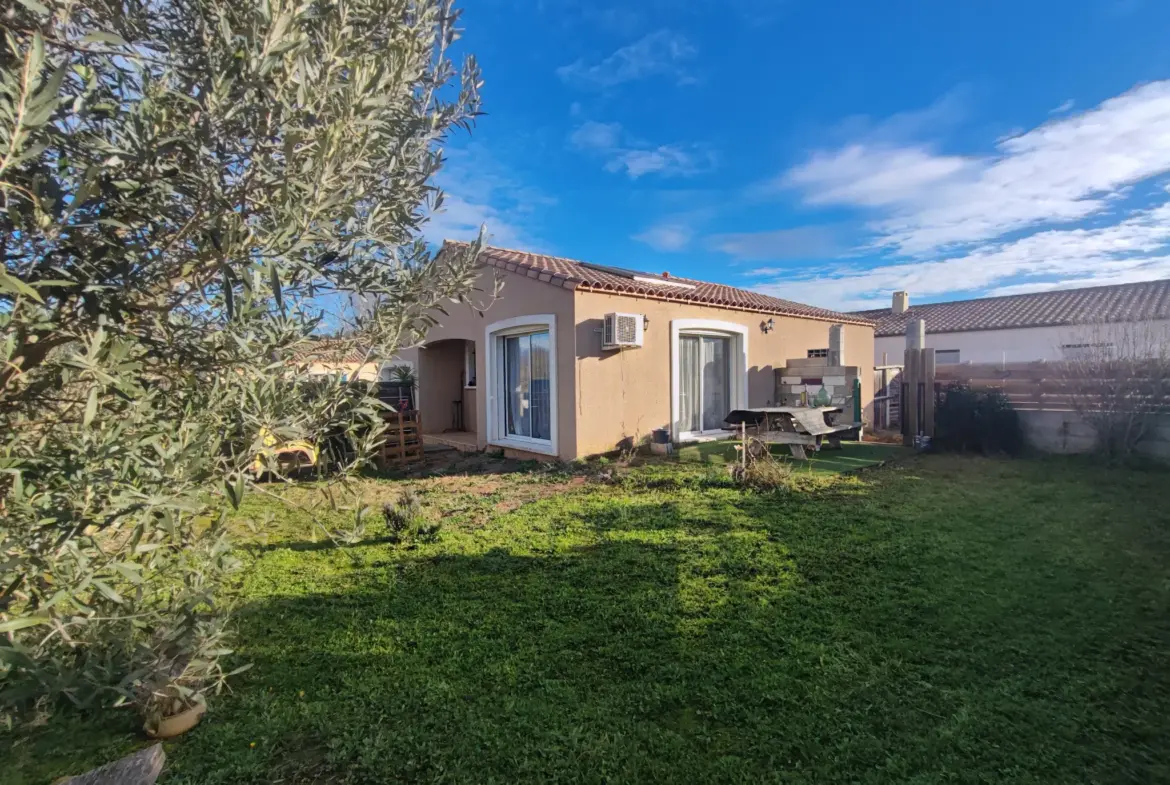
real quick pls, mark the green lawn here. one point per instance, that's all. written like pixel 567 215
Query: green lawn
pixel 941 619
pixel 852 455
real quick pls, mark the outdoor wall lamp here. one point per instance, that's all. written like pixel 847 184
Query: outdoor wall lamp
pixel 768 326
pixel 645 322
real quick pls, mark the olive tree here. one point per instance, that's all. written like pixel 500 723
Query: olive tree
pixel 186 188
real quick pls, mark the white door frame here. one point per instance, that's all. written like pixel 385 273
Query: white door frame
pixel 493 380
pixel 738 357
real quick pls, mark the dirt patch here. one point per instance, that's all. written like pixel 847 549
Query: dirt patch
pixel 465 484
pixel 519 495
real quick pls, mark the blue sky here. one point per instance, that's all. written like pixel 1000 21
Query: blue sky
pixel 826 152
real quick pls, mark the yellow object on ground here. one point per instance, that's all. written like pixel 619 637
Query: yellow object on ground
pixel 298 453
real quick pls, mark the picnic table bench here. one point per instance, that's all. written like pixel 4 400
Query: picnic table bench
pixel 797 426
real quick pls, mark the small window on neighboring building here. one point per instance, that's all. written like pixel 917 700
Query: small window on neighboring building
pixel 818 353
pixel 1086 351
pixel 469 363
pixel 946 357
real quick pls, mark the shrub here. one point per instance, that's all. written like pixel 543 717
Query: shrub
pixel 763 474
pixel 982 421
pixel 407 522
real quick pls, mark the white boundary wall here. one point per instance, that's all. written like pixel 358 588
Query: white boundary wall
pixel 1066 433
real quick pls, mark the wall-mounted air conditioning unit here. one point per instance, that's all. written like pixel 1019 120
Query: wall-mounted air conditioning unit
pixel 622 331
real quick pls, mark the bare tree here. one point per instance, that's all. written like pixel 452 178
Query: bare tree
pixel 1117 377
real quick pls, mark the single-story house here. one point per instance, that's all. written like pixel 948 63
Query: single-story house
pixel 1053 325
pixel 574 358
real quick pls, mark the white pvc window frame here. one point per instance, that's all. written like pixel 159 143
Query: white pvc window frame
pixel 737 358
pixel 493 382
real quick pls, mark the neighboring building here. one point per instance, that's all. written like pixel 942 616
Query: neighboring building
pixel 1053 325
pixel 334 358
pixel 531 374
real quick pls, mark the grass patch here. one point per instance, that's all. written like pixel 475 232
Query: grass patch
pixel 945 619
pixel 853 455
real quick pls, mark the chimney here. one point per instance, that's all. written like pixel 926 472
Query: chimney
pixel 901 302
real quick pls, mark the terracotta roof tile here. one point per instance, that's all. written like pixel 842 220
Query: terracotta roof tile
pixel 572 274
pixel 1131 302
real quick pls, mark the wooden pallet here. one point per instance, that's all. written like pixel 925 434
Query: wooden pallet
pixel 403 439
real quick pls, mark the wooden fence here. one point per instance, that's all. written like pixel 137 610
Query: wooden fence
pixel 1056 386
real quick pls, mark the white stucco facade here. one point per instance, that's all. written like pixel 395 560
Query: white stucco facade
pixel 1020 344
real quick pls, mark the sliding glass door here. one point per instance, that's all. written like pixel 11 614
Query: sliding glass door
pixel 704 382
pixel 527 388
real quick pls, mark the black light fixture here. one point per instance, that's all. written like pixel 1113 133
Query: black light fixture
pixel 645 322
pixel 768 326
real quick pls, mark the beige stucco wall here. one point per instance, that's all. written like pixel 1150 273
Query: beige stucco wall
pixel 521 296
pixel 627 394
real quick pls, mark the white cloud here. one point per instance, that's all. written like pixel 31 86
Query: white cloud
pixel 479 190
pixel 665 159
pixel 1063 171
pixel 661 53
pixel 1066 106
pixel 596 136
pixel 1131 250
pixel 636 157
pixel 875 176
pixel 667 236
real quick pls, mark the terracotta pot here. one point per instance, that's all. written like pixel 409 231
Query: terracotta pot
pixel 177 724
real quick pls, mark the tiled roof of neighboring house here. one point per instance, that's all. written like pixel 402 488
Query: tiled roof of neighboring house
pixel 584 276
pixel 331 351
pixel 1130 302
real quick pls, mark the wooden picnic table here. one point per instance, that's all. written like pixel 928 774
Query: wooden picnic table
pixel 797 426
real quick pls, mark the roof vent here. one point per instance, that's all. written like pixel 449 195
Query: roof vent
pixel 901 302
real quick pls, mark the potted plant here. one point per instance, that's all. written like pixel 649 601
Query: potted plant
pixel 187 668
pixel 181 718
pixel 403 376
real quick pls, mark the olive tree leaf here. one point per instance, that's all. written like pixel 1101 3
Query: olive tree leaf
pixel 91 406
pixel 13 285
pixel 34 6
